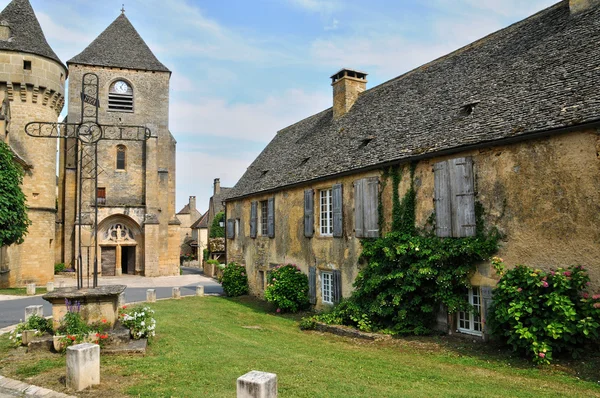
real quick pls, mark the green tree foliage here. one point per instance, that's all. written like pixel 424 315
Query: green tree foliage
pixel 13 211
pixel 216 231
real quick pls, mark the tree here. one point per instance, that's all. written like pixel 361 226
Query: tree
pixel 13 211
pixel 217 231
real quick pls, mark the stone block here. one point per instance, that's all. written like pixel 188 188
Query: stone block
pixel 50 287
pixel 122 299
pixel 83 366
pixel 151 296
pixel 61 284
pixel 27 336
pixel 257 384
pixel 200 291
pixel 176 293
pixel 30 289
pixel 34 310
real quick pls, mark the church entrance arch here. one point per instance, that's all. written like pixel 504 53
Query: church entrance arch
pixel 121 246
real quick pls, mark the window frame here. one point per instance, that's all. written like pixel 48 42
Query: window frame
pixel 101 199
pixel 264 218
pixel 121 149
pixel 327 287
pixel 326 215
pixel 470 322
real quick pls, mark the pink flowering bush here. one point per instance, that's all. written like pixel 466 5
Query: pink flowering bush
pixel 234 280
pixel 542 314
pixel 287 289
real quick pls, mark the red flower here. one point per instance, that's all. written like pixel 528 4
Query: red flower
pixel 104 336
pixel 104 321
pixel 124 307
pixel 97 334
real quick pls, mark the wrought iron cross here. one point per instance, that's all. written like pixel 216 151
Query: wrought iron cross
pixel 87 133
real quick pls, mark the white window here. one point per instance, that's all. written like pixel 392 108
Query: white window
pixel 326 213
pixel 327 287
pixel 470 322
pixel 264 217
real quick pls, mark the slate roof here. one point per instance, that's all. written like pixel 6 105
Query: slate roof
pixel 539 74
pixel 120 46
pixel 185 210
pixel 26 34
pixel 221 197
pixel 202 222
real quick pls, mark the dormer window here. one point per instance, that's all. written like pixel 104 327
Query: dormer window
pixel 120 97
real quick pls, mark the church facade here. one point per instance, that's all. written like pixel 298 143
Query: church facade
pixel 134 195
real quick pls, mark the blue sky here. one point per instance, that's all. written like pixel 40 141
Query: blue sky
pixel 244 69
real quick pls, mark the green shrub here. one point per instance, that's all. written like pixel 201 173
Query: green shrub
pixel 35 322
pixel 13 206
pixel 287 289
pixel 140 321
pixel 541 314
pixel 60 267
pixel 216 230
pixel 234 279
pixel 72 323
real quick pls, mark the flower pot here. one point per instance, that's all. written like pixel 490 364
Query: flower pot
pixel 27 336
pixel 58 342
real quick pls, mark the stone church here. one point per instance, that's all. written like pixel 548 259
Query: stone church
pixel 134 196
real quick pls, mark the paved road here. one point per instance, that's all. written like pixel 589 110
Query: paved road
pixel 12 311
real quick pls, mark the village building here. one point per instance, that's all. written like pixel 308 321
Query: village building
pixel 138 231
pixel 510 122
pixel 200 237
pixel 32 88
pixel 187 216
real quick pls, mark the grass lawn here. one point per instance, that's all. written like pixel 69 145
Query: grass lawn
pixel 202 346
pixel 21 291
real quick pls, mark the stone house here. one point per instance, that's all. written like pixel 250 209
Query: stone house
pixel 138 231
pixel 511 121
pixel 200 236
pixel 187 216
pixel 32 86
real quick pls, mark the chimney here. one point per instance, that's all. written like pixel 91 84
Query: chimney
pixel 217 186
pixel 578 6
pixel 192 204
pixel 347 85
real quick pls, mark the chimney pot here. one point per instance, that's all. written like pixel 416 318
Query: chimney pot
pixel 347 85
pixel 577 6
pixel 217 186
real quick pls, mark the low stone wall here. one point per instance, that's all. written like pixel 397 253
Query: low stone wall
pixel 350 332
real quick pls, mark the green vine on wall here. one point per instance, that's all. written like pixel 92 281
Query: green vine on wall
pixel 13 204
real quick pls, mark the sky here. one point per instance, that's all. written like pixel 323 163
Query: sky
pixel 244 69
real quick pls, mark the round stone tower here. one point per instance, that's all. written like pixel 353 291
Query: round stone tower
pixel 32 85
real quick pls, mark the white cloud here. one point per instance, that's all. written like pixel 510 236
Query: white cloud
pixel 334 25
pixel 320 6
pixel 252 121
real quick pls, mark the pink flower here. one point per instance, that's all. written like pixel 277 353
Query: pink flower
pixel 545 284
pixel 596 296
pixel 545 278
pixel 243 274
pixel 586 296
pixel 519 290
pixel 587 283
pixel 278 309
pixel 542 355
pixel 596 305
pixel 567 273
pixel 553 273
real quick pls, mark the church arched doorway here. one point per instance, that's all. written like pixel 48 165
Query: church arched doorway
pixel 121 246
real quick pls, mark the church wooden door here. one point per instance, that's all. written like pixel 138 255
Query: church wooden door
pixel 108 259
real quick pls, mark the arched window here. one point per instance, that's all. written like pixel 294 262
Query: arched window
pixel 121 157
pixel 120 97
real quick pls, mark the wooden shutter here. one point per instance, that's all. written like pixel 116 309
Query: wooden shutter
pixel 487 297
pixel 253 219
pixel 371 208
pixel 230 229
pixel 271 218
pixel 463 197
pixel 442 198
pixel 359 229
pixel 312 285
pixel 337 286
pixel 338 225
pixel 309 213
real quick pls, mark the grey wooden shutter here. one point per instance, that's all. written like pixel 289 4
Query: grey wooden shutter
pixel 312 285
pixel 309 213
pixel 463 197
pixel 442 198
pixel 253 219
pixel 338 225
pixel 487 297
pixel 359 229
pixel 371 208
pixel 271 218
pixel 337 286
pixel 230 229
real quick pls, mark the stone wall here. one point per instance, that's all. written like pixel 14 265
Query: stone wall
pixel 541 194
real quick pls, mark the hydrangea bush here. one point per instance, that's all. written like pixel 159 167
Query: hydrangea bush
pixel 234 280
pixel 541 314
pixel 287 288
pixel 140 321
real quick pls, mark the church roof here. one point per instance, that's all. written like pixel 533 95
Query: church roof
pixel 120 46
pixel 26 34
pixel 538 75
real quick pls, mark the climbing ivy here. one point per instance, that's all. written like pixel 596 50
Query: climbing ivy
pixel 216 230
pixel 13 211
pixel 409 274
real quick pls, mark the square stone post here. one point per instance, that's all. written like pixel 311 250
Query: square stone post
pixel 151 296
pixel 176 293
pixel 30 289
pixel 257 384
pixel 34 309
pixel 200 291
pixel 83 366
pixel 50 287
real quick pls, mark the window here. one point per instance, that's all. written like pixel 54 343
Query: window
pixel 237 227
pixel 120 97
pixel 261 279
pixel 326 212
pixel 264 218
pixel 101 196
pixel 121 157
pixel 366 211
pixel 454 198
pixel 27 65
pixel 470 322
pixel 327 287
